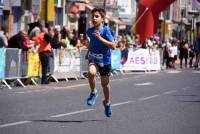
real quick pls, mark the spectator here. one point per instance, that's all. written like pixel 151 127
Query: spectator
pixel 43 40
pixel 56 40
pixel 78 44
pixel 174 52
pixel 149 44
pixel 84 41
pixel 35 28
pixel 165 54
pixel 183 48
pixel 124 51
pixel 3 39
pixel 20 41
pixel 129 38
pixel 74 38
pixel 169 53
pixel 119 41
pixel 191 55
pixel 197 51
pixel 65 38
pixel 137 41
pixel 27 43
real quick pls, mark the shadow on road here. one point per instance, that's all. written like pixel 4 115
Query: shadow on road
pixel 187 101
pixel 192 98
pixel 185 95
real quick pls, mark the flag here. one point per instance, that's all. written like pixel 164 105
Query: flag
pixel 49 13
pixel 196 4
pixel 147 19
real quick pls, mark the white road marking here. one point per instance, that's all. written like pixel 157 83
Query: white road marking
pixel 173 72
pixel 122 103
pixel 14 124
pixel 72 113
pixel 67 87
pixel 170 92
pixel 195 72
pixel 185 88
pixel 144 84
pixel 35 91
pixel 153 72
pixel 120 79
pixel 150 97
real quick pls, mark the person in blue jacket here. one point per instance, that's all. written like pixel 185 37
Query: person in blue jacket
pixel 99 57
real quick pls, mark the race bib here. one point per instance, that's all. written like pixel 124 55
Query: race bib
pixel 96 58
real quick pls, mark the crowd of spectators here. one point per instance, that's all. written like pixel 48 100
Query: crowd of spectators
pixel 43 38
pixel 184 50
pixel 63 38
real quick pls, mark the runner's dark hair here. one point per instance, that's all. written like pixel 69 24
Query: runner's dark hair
pixel 101 11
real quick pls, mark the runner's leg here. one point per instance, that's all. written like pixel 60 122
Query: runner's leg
pixel 92 70
pixel 106 88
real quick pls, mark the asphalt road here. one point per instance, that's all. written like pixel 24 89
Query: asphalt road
pixel 152 103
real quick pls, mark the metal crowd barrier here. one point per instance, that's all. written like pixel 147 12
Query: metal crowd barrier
pixel 65 63
pixel 12 66
pixel 16 65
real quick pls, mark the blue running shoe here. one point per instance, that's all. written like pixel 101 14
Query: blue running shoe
pixel 108 110
pixel 92 98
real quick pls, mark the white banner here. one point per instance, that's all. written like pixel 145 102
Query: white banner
pixel 66 63
pixel 142 60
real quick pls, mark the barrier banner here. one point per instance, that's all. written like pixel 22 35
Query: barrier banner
pixel 83 61
pixel 115 59
pixel 142 60
pixel 12 69
pixel 51 63
pixel 24 64
pixel 2 63
pixel 34 67
pixel 66 63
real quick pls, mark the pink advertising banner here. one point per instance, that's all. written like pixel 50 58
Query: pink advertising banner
pixel 142 60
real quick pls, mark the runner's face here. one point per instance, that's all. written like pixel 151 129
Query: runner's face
pixel 97 20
